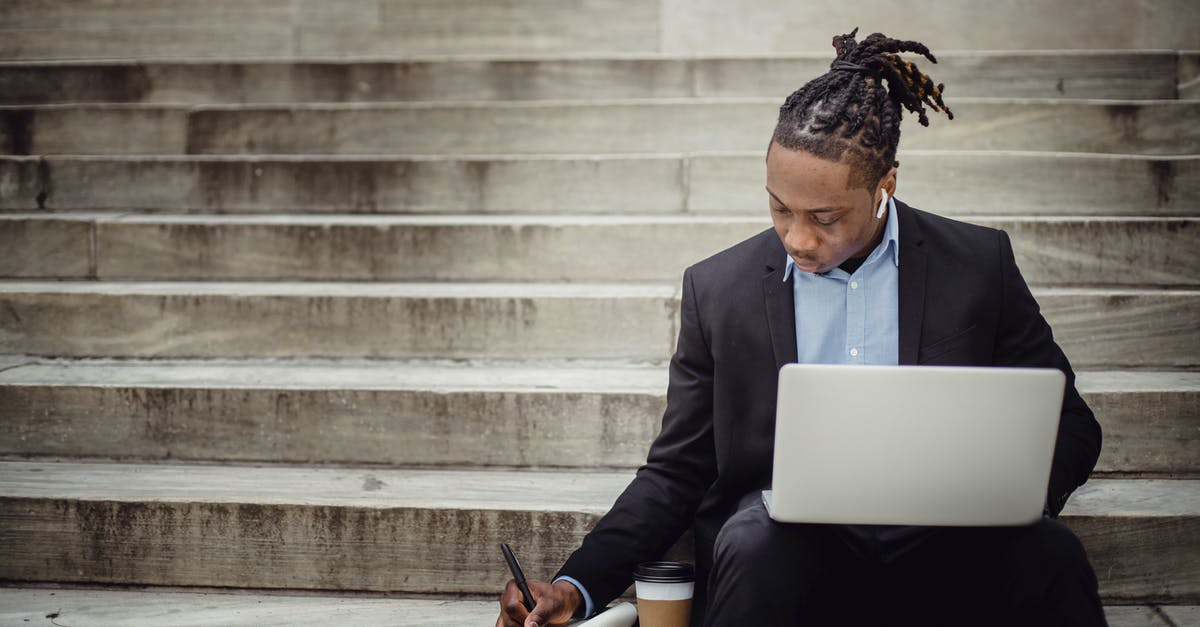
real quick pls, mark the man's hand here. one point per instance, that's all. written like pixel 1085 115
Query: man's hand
pixel 555 605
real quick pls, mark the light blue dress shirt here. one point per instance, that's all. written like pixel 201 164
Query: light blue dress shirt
pixel 844 318
pixel 841 318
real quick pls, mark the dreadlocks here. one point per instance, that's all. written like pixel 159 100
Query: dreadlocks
pixel 847 115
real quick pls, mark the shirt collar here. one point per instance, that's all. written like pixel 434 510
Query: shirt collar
pixel 891 236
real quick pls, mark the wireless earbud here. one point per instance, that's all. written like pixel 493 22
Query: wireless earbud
pixel 883 204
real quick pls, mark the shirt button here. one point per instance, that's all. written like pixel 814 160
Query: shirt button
pixel 854 352
pixel 854 285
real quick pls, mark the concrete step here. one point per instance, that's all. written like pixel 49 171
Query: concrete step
pixel 434 531
pixel 951 182
pixel 92 607
pixel 1098 328
pixel 440 320
pixel 1068 252
pixel 88 607
pixel 1112 74
pixel 430 413
pixel 301 28
pixel 1160 127
pixel 131 28
pixel 756 26
pixel 1188 83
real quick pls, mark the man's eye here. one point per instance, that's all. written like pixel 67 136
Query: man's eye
pixel 824 221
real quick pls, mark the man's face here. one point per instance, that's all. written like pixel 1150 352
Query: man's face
pixel 820 221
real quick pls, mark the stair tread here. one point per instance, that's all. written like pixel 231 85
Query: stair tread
pixel 174 607
pixel 455 489
pixel 444 289
pixel 433 375
pixel 512 219
pixel 351 289
pixel 610 376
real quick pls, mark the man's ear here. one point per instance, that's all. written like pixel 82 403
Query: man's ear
pixel 888 182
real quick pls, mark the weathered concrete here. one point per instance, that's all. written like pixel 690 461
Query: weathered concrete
pixel 433 413
pixel 1103 329
pixel 565 185
pixel 174 608
pixel 306 528
pixel 1189 75
pixel 307 28
pixel 954 182
pixel 1132 75
pixel 757 26
pixel 55 129
pixel 1111 518
pixel 1144 127
pixel 391 413
pixel 432 531
pixel 418 248
pixel 405 27
pixel 1051 251
pixel 249 40
pixel 473 320
pixel 1159 127
pixel 43 246
pixel 1098 328
pixel 1151 420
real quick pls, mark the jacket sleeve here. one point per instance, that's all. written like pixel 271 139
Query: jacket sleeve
pixel 1025 339
pixel 659 504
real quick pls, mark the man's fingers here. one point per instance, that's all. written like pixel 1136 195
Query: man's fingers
pixel 512 610
pixel 547 608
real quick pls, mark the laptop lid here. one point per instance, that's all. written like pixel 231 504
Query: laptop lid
pixel 913 445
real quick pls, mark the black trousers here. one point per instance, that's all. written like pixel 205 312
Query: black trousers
pixel 768 573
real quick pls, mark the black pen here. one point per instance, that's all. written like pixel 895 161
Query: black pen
pixel 517 574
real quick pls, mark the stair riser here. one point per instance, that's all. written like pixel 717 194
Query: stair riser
pixel 1050 252
pixel 953 184
pixel 211 325
pixel 1104 75
pixel 1134 562
pixel 1097 330
pixel 421 550
pixel 307 28
pixel 1143 432
pixel 705 26
pixel 1164 127
pixel 405 27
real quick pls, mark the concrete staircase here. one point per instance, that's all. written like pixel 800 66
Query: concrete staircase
pixel 305 303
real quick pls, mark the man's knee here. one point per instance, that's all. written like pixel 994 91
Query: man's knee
pixel 745 536
pixel 1051 545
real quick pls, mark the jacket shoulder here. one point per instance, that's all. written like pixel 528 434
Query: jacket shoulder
pixel 952 238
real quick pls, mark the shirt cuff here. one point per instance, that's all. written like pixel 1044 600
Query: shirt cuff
pixel 587 598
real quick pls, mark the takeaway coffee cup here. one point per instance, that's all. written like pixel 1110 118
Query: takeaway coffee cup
pixel 664 593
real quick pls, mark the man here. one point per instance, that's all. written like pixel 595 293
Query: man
pixel 848 275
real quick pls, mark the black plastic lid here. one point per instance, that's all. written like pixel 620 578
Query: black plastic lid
pixel 665 572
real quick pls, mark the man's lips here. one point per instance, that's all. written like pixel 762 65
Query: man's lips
pixel 807 265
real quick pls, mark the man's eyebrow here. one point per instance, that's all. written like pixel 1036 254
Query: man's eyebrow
pixel 818 210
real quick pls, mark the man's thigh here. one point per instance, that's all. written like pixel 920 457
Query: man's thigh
pixel 808 574
pixel 997 574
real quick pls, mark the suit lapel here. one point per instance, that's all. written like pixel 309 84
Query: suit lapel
pixel 911 284
pixel 780 307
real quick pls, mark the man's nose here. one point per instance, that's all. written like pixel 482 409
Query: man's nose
pixel 801 239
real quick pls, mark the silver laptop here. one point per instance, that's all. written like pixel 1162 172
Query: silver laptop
pixel 913 445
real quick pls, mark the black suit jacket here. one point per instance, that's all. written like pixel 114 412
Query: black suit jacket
pixel 962 302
